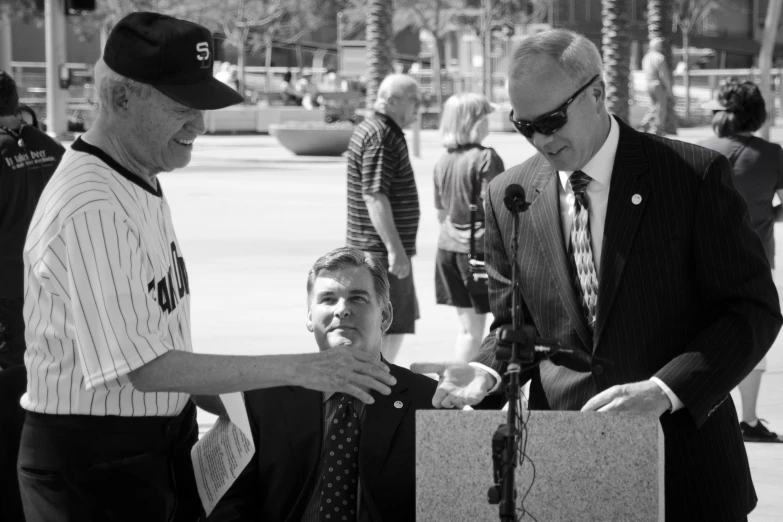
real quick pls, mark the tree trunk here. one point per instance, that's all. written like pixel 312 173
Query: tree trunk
pixel 240 43
pixel 5 42
pixel 380 46
pixel 436 78
pixel 486 48
pixel 617 55
pixel 686 75
pixel 268 60
pixel 659 24
pixel 771 23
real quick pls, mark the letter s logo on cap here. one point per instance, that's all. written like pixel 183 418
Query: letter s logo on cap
pixel 203 54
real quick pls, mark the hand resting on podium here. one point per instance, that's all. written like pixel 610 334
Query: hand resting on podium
pixel 459 383
pixel 636 397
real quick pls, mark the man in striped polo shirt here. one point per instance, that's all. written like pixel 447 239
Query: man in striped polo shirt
pixel 383 203
pixel 110 367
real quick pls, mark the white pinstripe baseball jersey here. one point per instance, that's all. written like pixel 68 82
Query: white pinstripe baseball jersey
pixel 106 291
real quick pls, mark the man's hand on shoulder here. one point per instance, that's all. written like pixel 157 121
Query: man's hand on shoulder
pixel 459 383
pixel 637 397
pixel 344 370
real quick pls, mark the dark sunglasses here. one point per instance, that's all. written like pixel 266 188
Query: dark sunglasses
pixel 550 122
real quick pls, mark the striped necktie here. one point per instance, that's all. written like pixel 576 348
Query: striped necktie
pixel 581 248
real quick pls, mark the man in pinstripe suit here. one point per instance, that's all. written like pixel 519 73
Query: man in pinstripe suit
pixel 107 300
pixel 675 289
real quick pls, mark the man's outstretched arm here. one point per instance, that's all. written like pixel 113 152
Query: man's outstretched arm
pixel 335 370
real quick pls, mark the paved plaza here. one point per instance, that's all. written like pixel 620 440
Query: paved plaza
pixel 252 218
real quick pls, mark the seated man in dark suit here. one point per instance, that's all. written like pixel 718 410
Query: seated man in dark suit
pixel 321 454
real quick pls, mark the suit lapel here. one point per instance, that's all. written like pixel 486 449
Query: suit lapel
pixel 545 215
pixel 629 195
pixel 380 424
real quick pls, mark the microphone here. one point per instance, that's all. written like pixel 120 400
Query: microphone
pixel 514 200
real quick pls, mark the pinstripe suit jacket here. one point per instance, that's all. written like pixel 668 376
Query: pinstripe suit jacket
pixel 685 294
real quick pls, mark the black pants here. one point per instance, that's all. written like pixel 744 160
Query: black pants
pixel 79 468
pixel 13 382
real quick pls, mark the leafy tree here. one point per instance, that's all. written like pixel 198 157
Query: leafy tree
pixel 687 15
pixel 486 15
pixel 236 19
pixel 108 12
pixel 438 19
pixel 245 23
pixel 10 11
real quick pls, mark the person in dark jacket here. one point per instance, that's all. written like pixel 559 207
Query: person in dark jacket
pixel 738 112
pixel 302 469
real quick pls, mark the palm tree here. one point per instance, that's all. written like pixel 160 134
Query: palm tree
pixel 659 23
pixel 616 46
pixel 688 15
pixel 379 45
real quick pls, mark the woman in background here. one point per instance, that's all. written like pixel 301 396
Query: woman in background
pixel 467 166
pixel 738 112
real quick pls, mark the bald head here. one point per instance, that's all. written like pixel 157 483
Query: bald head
pixel 397 86
pixel 399 98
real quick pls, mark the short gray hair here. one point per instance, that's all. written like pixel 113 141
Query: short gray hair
pixel 106 80
pixel 344 257
pixel 577 56
pixel 394 85
pixel 461 116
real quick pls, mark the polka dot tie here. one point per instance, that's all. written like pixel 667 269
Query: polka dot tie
pixel 581 248
pixel 341 465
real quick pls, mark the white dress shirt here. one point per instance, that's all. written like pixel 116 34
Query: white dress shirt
pixel 599 168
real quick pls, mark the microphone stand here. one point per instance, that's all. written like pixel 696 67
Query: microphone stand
pixel 517 345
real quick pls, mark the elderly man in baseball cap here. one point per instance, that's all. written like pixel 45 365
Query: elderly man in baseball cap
pixel 110 421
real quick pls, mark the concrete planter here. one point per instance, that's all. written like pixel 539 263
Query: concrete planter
pixel 310 140
pixel 251 118
pixel 237 118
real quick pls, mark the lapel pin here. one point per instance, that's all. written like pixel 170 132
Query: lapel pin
pixel 398 404
pixel 636 199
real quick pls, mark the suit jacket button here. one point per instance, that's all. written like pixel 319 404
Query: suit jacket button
pixel 598 369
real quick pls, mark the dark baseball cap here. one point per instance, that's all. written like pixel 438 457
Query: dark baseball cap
pixel 173 56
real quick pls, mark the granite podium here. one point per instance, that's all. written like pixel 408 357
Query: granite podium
pixel 579 466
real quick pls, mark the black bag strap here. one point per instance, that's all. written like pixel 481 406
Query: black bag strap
pixel 17 135
pixel 474 196
pixel 735 155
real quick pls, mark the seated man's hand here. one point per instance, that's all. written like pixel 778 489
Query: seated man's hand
pixel 341 369
pixel 459 383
